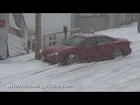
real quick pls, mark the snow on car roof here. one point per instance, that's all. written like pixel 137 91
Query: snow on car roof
pixel 90 35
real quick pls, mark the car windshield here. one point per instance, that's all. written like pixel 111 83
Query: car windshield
pixel 74 41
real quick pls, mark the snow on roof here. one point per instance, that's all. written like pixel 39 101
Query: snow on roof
pixel 14 27
pixel 90 35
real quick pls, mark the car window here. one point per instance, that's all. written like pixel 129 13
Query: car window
pixel 74 41
pixel 91 41
pixel 77 41
pixel 103 39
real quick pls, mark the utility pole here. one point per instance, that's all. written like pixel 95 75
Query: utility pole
pixel 37 35
pixel 31 42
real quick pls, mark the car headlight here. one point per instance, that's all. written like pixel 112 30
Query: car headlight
pixel 56 53
pixel 40 51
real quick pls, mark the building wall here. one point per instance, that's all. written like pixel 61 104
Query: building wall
pixel 119 19
pixel 74 20
pixel 50 22
pixel 122 16
pixel 16 45
pixel 20 22
pixel 114 20
pixel 16 40
pixel 128 18
pixel 96 23
pixel 4 35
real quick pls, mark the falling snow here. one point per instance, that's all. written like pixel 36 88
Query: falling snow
pixel 23 73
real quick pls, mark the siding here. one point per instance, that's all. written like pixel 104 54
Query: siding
pixel 4 35
pixel 96 23
pixel 114 20
pixel 12 21
pixel 15 45
pixel 50 22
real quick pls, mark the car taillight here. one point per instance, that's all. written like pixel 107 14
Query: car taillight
pixel 130 42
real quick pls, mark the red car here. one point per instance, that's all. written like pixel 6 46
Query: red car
pixel 86 47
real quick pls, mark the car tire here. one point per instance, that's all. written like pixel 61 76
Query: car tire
pixel 71 58
pixel 117 53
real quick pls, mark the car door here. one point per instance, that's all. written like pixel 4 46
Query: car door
pixel 92 50
pixel 81 52
pixel 104 46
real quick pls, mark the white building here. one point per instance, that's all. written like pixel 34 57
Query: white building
pixel 19 27
pixel 50 22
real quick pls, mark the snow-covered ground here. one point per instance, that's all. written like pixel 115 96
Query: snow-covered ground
pixel 23 73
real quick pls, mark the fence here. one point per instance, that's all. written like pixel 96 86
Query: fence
pixel 58 37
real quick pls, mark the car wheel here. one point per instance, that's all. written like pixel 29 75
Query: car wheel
pixel 71 58
pixel 117 53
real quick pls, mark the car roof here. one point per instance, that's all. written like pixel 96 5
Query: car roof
pixel 91 35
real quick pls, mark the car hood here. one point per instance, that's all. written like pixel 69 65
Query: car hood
pixel 57 48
